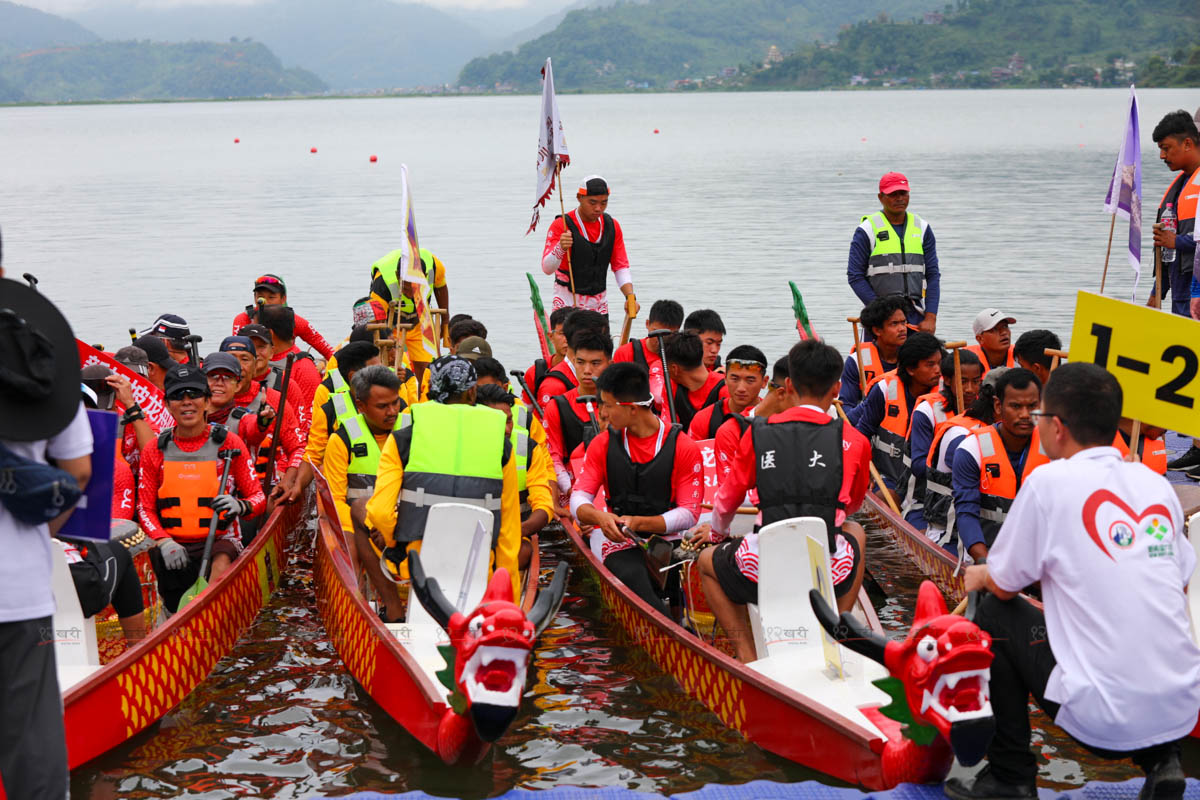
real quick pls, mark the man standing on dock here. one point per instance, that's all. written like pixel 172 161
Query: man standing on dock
pixel 893 252
pixel 581 247
pixel 1111 658
pixel 1179 148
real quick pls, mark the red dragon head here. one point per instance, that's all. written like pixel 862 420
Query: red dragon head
pixel 940 672
pixel 489 648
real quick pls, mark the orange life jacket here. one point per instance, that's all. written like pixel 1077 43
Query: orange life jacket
pixel 1153 452
pixel 872 366
pixel 939 485
pixel 998 481
pixel 890 442
pixel 1189 198
pixel 977 349
pixel 189 483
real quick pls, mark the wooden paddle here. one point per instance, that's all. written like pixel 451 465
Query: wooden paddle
pixel 269 478
pixel 954 347
pixel 630 314
pixel 1055 355
pixel 661 335
pixel 883 490
pixel 201 583
pixel 862 377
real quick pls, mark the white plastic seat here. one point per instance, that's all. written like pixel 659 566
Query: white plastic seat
pixel 76 653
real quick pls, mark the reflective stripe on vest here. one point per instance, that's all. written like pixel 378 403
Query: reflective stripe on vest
pixel 363 450
pixel 455 455
pixel 896 266
pixel 388 268
pixel 890 441
pixel 343 408
pixel 336 383
pixel 997 478
pixel 189 483
pixel 871 365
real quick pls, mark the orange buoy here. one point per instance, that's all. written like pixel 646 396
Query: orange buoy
pixel 236 141
pixel 656 130
pixel 312 150
pixel 374 159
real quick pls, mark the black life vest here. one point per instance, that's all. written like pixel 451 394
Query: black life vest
pixel 589 261
pixel 543 371
pixel 799 468
pixel 642 490
pixel 574 430
pixel 685 411
pixel 720 415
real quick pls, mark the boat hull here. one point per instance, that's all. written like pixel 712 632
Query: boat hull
pixel 139 687
pixel 934 562
pixel 767 713
pixel 372 655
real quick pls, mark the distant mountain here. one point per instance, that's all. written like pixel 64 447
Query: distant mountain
pixel 351 44
pixel 23 29
pixel 659 41
pixel 153 71
pixel 1006 42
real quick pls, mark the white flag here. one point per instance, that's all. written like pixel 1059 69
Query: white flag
pixel 1124 197
pixel 552 145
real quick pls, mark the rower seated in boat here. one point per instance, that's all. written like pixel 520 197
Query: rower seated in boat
pixel 745 376
pixel 885 328
pixel 729 435
pixel 886 413
pixel 665 315
pixel 535 472
pixel 568 422
pixel 451 451
pixel 994 461
pixel 695 387
pixel 179 489
pixel 803 463
pixel 935 411
pixel 1111 658
pixel 653 478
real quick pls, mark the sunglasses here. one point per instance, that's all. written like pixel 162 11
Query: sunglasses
pixel 270 280
pixel 187 394
pixel 746 362
pixel 642 403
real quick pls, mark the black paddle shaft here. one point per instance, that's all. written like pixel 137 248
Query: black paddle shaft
pixel 533 405
pixel 228 456
pixel 590 400
pixel 269 478
pixel 193 340
pixel 661 334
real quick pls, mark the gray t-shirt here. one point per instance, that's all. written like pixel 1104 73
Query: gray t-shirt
pixel 26 568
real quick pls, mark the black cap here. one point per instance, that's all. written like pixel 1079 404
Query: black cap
pixel 237 344
pixel 593 186
pixel 169 326
pixel 256 331
pixel 155 350
pixel 185 376
pixel 93 377
pixel 272 283
pixel 225 361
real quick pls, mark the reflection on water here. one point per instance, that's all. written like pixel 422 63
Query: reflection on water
pixel 280 718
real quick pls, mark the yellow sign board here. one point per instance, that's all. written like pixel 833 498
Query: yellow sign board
pixel 818 564
pixel 1154 355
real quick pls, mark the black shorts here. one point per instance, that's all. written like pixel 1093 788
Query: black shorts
pixel 737 587
pixel 843 586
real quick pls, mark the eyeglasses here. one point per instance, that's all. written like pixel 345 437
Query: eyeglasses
pixel 1038 415
pixel 187 394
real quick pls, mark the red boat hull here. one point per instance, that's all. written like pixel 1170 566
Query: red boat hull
pixel 934 562
pixel 139 687
pixel 767 713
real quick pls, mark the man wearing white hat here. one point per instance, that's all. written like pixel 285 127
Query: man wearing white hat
pixel 994 337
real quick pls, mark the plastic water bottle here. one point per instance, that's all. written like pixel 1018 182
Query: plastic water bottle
pixel 1168 223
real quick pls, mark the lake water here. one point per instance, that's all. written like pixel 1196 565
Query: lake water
pixel 125 212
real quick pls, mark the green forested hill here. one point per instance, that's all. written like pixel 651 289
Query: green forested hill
pixel 660 41
pixel 1056 42
pixel 23 28
pixel 150 71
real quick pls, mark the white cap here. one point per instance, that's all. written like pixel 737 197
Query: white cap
pixel 990 318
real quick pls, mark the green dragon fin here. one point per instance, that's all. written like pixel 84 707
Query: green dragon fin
pixel 898 710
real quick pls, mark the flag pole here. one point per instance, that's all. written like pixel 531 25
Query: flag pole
pixel 1156 300
pixel 1112 226
pixel 563 208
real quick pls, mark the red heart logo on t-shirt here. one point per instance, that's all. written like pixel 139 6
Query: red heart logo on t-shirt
pixel 1098 498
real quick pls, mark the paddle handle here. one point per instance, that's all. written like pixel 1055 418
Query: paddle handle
pixel 954 347
pixel 283 392
pixel 862 378
pixel 229 456
pixel 883 490
pixel 1055 356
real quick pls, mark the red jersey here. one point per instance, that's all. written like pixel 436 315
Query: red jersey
pixel 743 474
pixel 653 365
pixel 241 477
pixel 551 386
pixel 304 331
pixel 699 428
pixel 304 381
pixel 124 503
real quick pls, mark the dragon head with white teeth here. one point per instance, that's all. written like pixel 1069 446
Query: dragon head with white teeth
pixel 489 649
pixel 943 666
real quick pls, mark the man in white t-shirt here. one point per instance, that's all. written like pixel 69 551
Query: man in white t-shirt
pixel 41 419
pixel 1112 659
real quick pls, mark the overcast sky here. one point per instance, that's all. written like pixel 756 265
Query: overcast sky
pixel 69 6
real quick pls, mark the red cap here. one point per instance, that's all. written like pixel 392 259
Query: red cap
pixel 893 182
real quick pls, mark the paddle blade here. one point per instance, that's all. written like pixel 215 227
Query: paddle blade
pixel 803 325
pixel 191 594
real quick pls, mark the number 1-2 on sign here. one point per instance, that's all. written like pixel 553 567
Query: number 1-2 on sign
pixel 1154 355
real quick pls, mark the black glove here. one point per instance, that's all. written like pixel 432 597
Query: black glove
pixel 396 554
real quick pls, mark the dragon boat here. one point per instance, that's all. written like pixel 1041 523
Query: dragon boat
pixel 107 704
pixel 453 680
pixel 814 701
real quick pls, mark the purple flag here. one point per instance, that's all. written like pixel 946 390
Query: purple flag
pixel 1125 187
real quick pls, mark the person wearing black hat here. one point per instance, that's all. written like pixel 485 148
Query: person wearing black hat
pixel 178 488
pixel 581 247
pixel 173 330
pixel 270 290
pixel 157 356
pixel 41 418
pixel 452 450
